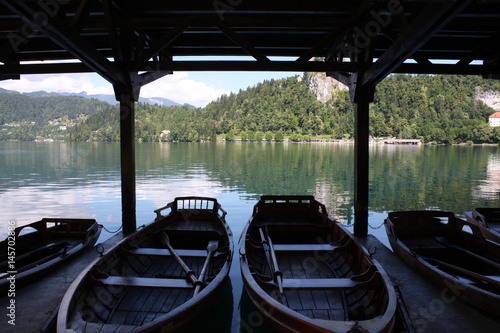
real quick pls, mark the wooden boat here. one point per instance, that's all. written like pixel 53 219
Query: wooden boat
pixel 450 252
pixel 306 273
pixel 488 220
pixel 30 251
pixel 156 279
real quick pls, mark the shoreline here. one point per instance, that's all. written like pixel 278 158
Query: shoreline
pixel 376 141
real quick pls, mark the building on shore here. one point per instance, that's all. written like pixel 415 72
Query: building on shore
pixel 494 119
pixel 402 141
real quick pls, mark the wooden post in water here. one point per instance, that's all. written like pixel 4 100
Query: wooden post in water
pixel 127 93
pixel 361 96
pixel 361 164
pixel 127 158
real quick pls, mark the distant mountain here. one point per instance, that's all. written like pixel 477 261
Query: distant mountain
pixel 112 100
pixel 102 97
pixel 41 107
pixel 5 91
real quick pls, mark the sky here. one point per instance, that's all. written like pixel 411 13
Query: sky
pixel 195 88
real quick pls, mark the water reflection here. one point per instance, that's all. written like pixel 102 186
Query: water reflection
pixel 489 188
pixel 83 180
pixel 75 179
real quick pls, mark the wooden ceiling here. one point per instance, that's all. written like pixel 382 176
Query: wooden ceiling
pixel 153 38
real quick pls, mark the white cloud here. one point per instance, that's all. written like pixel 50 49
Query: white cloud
pixel 53 83
pixel 180 88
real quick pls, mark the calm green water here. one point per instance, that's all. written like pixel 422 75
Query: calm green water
pixel 83 180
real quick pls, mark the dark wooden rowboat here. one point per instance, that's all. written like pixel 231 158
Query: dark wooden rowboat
pixel 158 278
pixel 306 273
pixel 488 220
pixel 31 251
pixel 450 252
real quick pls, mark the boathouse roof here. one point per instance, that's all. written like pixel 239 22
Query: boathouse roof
pixel 378 36
pixel 359 42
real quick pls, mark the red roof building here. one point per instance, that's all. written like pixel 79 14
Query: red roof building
pixel 495 119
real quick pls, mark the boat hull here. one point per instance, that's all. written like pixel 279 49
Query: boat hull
pixel 322 279
pixel 451 253
pixel 157 279
pixel 488 221
pixel 50 243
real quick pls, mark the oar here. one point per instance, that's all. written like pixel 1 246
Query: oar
pixel 211 247
pixel 273 263
pixel 451 245
pixel 471 274
pixel 189 272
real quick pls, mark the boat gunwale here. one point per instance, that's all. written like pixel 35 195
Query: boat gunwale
pixel 82 240
pixel 291 320
pixel 462 288
pixel 67 304
pixel 479 217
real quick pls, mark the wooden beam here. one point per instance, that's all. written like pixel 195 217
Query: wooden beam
pixel 148 77
pixel 432 19
pixel 127 158
pixel 339 71
pixel 61 33
pixel 164 41
pixel 81 14
pixel 345 78
pixel 252 66
pixel 168 66
pixel 9 77
pixel 112 23
pixel 484 46
pixel 361 160
pixel 244 44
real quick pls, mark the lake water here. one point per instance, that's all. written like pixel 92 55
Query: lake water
pixel 52 179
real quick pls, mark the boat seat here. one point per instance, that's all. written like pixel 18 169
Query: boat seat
pixel 144 282
pixel 422 243
pixel 304 247
pixel 340 283
pixel 165 252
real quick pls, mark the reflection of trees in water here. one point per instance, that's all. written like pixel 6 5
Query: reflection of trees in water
pixel 440 177
pixel 455 178
pixel 489 188
pixel 323 170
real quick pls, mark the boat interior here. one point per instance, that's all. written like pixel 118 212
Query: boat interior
pixel 453 245
pixel 142 279
pixel 44 240
pixel 315 271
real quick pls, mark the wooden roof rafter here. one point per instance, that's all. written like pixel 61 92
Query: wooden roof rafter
pixel 432 19
pixel 60 32
pixel 162 33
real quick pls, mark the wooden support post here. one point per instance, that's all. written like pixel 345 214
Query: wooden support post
pixel 361 163
pixel 127 93
pixel 361 96
pixel 127 157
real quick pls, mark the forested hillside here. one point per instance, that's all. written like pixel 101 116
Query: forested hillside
pixel 433 108
pixel 26 116
pixel 442 109
pixel 42 107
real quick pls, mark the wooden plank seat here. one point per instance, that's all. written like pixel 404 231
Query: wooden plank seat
pixel 422 243
pixel 276 224
pixel 143 282
pixel 315 247
pixel 142 251
pixel 318 284
pixel 304 247
pixel 421 230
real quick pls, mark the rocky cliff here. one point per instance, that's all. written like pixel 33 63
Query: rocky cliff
pixel 324 87
pixel 490 98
